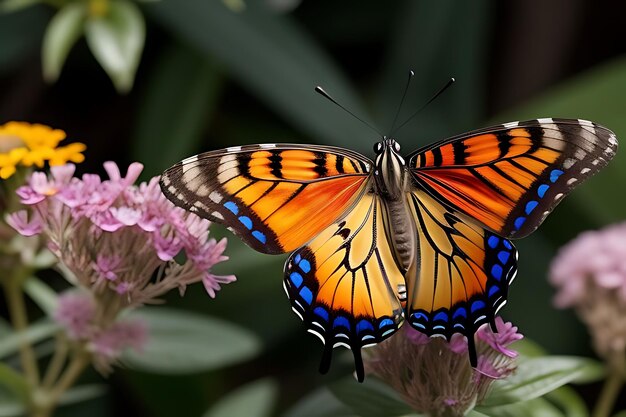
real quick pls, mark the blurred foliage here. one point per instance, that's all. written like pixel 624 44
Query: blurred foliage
pixel 211 76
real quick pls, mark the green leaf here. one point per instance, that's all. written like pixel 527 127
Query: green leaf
pixel 34 333
pixel 116 40
pixel 45 297
pixel 320 403
pixel 8 6
pixel 535 407
pixel 65 28
pixel 83 393
pixel 255 399
pixel 537 376
pixel 528 348
pixel 370 398
pixel 274 58
pixel 181 342
pixel 566 399
pixel 175 106
pixel 15 382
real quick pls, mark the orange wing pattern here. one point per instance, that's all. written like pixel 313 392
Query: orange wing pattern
pixel 345 283
pixel 463 275
pixel 274 197
pixel 510 177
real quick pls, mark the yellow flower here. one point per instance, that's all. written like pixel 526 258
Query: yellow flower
pixel 29 144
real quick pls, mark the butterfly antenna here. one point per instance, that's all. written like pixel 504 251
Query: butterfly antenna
pixel 323 93
pixel 406 88
pixel 437 94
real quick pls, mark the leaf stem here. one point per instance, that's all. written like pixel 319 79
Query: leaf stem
pixel 612 385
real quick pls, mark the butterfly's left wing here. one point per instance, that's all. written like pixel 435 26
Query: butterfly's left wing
pixel 463 273
pixel 509 177
pixel 275 197
pixel 345 283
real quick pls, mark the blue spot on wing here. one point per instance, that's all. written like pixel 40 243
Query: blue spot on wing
pixel 459 312
pixel 503 256
pixel 232 207
pixel 507 244
pixel 364 325
pixel 306 295
pixel 541 191
pixel 259 236
pixel 519 222
pixel 246 222
pixel 493 290
pixel 341 321
pixel 442 315
pixel 385 322
pixel 322 313
pixel 297 258
pixel 477 305
pixel 530 206
pixel 493 241
pixel 305 266
pixel 555 174
pixel 496 272
pixel 296 279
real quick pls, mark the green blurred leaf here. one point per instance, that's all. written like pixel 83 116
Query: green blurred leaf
pixel 45 297
pixel 36 332
pixel 256 399
pixel 15 382
pixel 370 398
pixel 537 407
pixel 528 348
pixel 537 376
pixel 566 399
pixel 176 104
pixel 82 393
pixel 65 28
pixel 474 413
pixel 8 6
pixel 116 40
pixel 269 54
pixel 320 403
pixel 181 342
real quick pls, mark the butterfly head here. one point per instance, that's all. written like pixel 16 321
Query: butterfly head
pixel 389 164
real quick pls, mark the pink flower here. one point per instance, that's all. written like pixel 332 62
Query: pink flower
pixel 75 312
pixel 434 376
pixel 507 334
pixel 590 276
pixel 109 344
pixel 120 238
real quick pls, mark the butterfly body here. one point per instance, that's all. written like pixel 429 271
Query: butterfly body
pixel 422 238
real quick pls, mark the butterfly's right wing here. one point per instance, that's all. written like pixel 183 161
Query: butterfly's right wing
pixel 274 197
pixel 345 283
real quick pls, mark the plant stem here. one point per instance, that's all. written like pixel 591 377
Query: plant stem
pixel 56 363
pixel 75 368
pixel 612 386
pixel 19 319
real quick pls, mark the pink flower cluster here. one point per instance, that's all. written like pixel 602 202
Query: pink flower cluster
pixel 118 237
pixel 596 258
pixel 590 276
pixel 434 376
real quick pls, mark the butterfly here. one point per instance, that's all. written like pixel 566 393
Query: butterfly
pixel 423 238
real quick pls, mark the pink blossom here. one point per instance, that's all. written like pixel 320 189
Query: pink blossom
pixel 75 312
pixel 507 334
pixel 590 276
pixel 94 226
pixel 109 343
pixel 20 222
